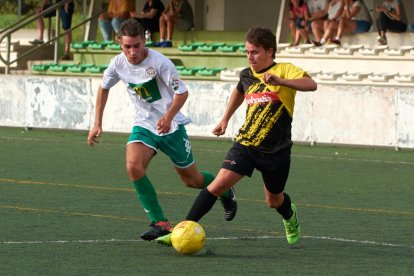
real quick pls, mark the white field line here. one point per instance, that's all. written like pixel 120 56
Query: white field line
pixel 340 240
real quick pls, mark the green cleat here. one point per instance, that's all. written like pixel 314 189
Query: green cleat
pixel 292 227
pixel 164 240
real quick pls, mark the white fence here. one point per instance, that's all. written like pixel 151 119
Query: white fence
pixel 339 113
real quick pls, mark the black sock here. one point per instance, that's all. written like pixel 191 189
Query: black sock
pixel 285 210
pixel 202 204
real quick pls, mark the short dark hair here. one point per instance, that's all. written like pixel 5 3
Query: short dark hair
pixel 261 37
pixel 132 28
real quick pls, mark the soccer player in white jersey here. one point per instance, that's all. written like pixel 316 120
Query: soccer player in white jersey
pixel 158 94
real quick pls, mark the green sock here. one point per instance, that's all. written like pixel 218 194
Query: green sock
pixel 148 198
pixel 208 178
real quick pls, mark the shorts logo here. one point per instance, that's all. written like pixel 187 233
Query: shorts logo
pixel 232 162
pixel 187 146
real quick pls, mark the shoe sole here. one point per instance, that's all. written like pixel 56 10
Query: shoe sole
pixel 153 236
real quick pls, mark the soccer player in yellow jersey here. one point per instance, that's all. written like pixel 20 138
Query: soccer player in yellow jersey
pixel 264 141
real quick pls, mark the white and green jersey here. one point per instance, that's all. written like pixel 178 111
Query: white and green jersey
pixel 151 85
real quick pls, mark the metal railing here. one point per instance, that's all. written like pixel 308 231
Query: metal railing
pixel 7 32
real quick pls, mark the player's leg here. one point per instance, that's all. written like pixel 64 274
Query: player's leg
pixel 177 146
pixel 236 165
pixel 206 199
pixel 140 150
pixel 275 179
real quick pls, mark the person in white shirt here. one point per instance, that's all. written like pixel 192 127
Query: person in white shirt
pixel 155 88
pixel 318 11
pixel 330 25
pixel 355 19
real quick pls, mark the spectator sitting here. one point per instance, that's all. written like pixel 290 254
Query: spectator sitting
pixel 299 16
pixel 178 13
pixel 318 13
pixel 330 25
pixel 392 17
pixel 150 15
pixel 355 19
pixel 65 13
pixel 118 11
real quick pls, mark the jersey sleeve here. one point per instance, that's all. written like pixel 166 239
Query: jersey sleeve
pixel 110 76
pixel 170 76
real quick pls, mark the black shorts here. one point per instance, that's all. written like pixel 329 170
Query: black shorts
pixel 50 14
pixel 274 167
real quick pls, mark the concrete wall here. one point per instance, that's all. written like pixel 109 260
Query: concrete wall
pixel 340 114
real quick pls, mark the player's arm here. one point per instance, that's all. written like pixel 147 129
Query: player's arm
pixel 305 83
pixel 236 99
pixel 164 124
pixel 96 130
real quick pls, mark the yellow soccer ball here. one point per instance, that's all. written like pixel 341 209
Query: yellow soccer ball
pixel 188 237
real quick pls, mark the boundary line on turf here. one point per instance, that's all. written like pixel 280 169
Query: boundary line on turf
pixel 219 238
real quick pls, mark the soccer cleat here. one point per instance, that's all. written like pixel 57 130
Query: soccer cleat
pixel 230 205
pixel 157 229
pixel 292 227
pixel 164 240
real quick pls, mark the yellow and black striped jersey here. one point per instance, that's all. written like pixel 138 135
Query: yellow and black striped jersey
pixel 269 111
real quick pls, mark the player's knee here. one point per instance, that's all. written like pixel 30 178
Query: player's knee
pixel 135 172
pixel 274 201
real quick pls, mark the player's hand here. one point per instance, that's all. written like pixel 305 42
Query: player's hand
pixel 272 79
pixel 163 125
pixel 220 129
pixel 93 136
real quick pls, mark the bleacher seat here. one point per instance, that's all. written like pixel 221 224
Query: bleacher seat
pixel 210 47
pixel 300 49
pixel 191 46
pixel 211 71
pixel 231 74
pixel 329 75
pixel 373 51
pixel 42 67
pixel 400 51
pixel 60 67
pixel 355 76
pixel 408 78
pixel 349 50
pixel 96 68
pixel 81 45
pixel 79 68
pixel 230 48
pixel 323 50
pixel 381 77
